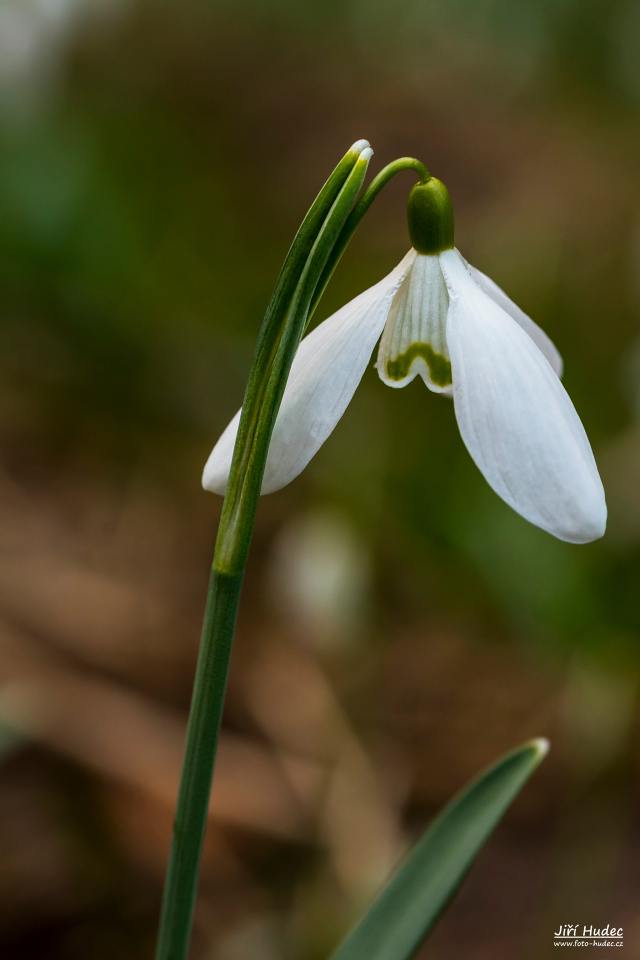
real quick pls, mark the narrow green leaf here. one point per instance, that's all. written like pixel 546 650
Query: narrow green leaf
pixel 277 344
pixel 418 892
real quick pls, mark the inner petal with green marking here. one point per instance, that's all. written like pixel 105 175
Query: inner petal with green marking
pixel 414 340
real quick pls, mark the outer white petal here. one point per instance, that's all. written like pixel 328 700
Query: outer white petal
pixel 537 334
pixel 516 418
pixel 326 370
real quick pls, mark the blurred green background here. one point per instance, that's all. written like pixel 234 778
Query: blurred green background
pixel 400 626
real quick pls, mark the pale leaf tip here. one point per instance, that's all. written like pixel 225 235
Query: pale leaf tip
pixel 541 746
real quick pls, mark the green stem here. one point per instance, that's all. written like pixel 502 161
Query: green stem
pixel 278 339
pixel 195 786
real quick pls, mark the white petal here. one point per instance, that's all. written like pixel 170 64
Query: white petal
pixel 537 334
pixel 516 418
pixel 326 370
pixel 414 339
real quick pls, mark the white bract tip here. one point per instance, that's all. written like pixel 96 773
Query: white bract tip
pixel 541 745
pixel 366 154
pixel 359 146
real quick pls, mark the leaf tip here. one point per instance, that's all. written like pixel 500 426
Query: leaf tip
pixel 540 746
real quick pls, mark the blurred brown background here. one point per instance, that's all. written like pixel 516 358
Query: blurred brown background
pixel 400 627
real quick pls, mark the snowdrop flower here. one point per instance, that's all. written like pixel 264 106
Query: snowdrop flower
pixel 439 318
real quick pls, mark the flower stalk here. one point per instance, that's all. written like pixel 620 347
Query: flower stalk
pixel 380 181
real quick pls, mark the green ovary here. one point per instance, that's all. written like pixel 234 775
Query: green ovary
pixel 439 367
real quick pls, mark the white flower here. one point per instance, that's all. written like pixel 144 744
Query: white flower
pixel 440 318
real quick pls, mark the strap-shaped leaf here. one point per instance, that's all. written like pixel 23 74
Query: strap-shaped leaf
pixel 418 892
